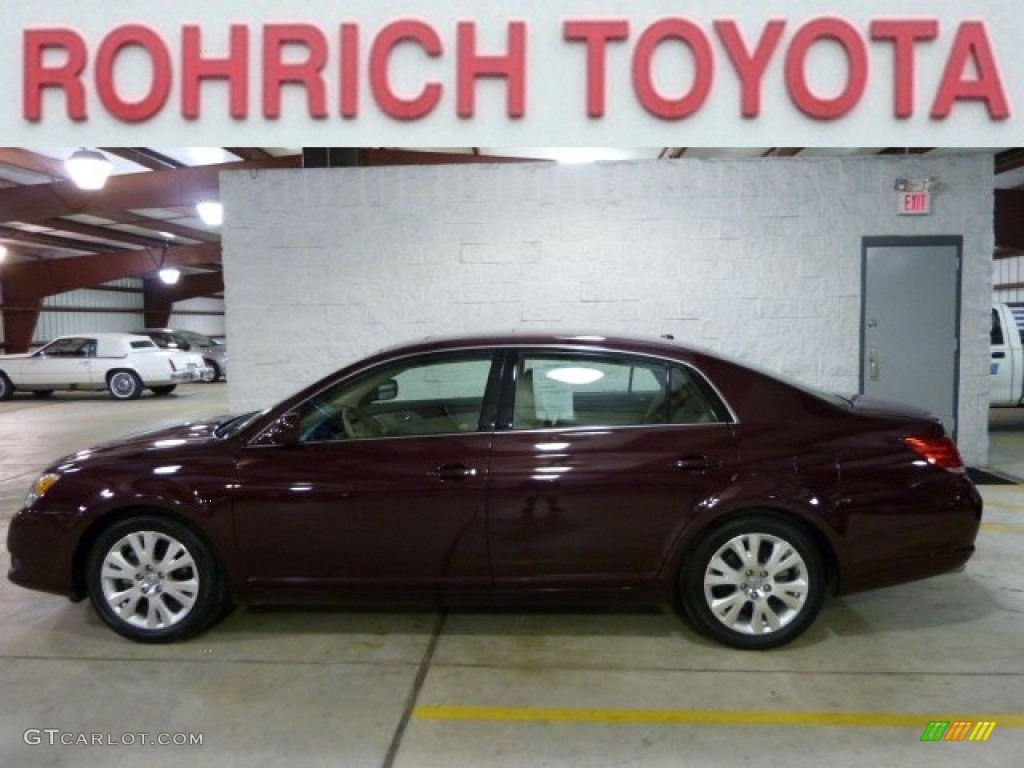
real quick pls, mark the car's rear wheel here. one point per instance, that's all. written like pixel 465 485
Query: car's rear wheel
pixel 164 390
pixel 153 580
pixel 124 385
pixel 6 388
pixel 754 583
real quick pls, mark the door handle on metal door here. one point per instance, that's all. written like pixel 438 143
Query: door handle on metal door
pixel 998 355
pixel 452 472
pixel 695 463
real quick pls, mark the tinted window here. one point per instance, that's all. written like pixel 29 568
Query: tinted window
pixel 565 390
pixel 997 328
pixel 426 396
pixel 142 344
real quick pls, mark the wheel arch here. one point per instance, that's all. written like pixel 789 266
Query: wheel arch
pixel 88 538
pixel 815 531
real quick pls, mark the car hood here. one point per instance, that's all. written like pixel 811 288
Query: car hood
pixel 875 406
pixel 187 435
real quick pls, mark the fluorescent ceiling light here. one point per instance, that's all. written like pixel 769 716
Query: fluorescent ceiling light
pixel 211 212
pixel 3 252
pixel 586 154
pixel 88 168
pixel 170 275
pixel 575 375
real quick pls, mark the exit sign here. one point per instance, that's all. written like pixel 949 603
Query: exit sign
pixel 915 203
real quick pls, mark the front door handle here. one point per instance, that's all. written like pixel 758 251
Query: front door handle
pixel 696 463
pixel 452 472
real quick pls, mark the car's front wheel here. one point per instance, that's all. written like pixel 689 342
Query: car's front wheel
pixel 153 580
pixel 754 583
pixel 216 371
pixel 124 385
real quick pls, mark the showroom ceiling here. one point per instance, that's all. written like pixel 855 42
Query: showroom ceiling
pixel 58 237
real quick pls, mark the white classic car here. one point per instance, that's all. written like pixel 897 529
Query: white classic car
pixel 121 363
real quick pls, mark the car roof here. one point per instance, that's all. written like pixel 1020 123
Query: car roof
pixel 660 346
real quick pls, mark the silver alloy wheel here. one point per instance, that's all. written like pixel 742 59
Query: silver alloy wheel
pixel 149 580
pixel 756 583
pixel 123 384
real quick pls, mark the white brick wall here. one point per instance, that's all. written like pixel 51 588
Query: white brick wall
pixel 756 258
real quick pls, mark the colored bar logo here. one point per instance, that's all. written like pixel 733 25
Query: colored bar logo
pixel 959 730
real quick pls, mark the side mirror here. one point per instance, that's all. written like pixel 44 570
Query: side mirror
pixel 386 391
pixel 284 431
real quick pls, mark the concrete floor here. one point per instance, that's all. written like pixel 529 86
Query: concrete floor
pixel 339 688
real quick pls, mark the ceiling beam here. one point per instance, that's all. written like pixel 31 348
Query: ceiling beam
pixel 905 150
pixel 163 225
pixel 26 282
pixel 33 161
pixel 55 241
pixel 158 189
pixel 377 156
pixel 1009 160
pixel 92 230
pixel 783 152
pixel 249 153
pixel 146 157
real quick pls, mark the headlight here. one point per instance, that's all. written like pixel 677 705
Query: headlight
pixel 39 488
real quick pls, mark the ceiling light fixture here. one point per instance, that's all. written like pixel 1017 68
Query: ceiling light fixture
pixel 88 168
pixel 211 212
pixel 3 252
pixel 170 275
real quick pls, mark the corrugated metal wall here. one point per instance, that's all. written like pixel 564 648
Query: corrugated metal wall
pixel 204 315
pixel 1008 272
pixel 97 310
pixel 93 310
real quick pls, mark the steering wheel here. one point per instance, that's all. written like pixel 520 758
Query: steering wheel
pixel 359 424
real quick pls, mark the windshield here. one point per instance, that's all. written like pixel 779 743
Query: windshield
pixel 237 423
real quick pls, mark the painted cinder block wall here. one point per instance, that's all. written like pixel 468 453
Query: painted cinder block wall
pixel 756 258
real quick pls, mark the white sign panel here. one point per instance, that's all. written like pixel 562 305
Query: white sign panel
pixel 534 72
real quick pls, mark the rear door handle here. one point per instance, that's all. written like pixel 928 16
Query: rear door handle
pixel 452 472
pixel 696 463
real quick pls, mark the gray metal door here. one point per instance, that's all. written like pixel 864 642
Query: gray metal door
pixel 910 332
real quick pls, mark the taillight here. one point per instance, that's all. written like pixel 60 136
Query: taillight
pixel 940 451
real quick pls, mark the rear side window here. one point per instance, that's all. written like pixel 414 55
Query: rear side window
pixel 143 345
pixel 566 390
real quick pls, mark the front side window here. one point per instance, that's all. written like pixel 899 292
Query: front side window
pixel 569 390
pixel 424 396
pixel 75 347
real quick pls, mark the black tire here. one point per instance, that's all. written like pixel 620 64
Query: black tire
pixel 216 371
pixel 124 385
pixel 166 389
pixel 6 388
pixel 156 601
pixel 780 580
pixel 42 393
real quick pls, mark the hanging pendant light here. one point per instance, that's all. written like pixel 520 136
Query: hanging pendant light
pixel 88 168
pixel 211 212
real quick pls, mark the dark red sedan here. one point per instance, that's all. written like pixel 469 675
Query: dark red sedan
pixel 510 469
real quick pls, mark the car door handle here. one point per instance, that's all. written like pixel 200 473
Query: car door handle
pixel 452 472
pixel 998 355
pixel 695 463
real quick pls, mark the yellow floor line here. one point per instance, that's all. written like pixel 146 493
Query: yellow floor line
pixel 1003 527
pixel 705 717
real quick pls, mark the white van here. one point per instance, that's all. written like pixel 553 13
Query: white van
pixel 1007 366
